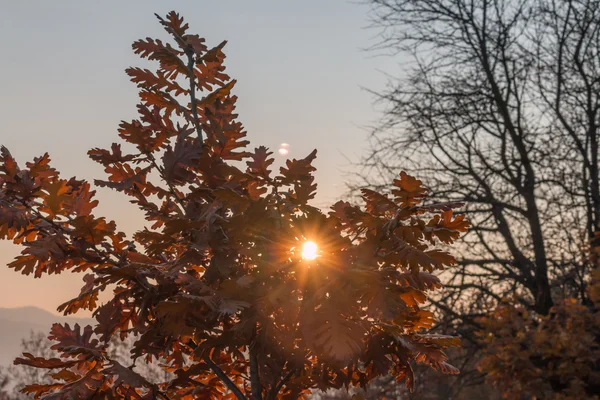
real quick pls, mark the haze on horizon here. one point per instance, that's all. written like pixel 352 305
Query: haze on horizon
pixel 300 68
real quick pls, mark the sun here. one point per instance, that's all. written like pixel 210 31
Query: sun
pixel 309 250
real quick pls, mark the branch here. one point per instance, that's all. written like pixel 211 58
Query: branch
pixel 163 395
pixel 466 318
pixel 275 390
pixel 254 373
pixel 189 52
pixel 224 378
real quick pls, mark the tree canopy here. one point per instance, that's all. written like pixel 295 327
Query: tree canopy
pixel 215 286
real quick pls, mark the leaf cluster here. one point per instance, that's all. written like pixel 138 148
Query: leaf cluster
pixel 553 356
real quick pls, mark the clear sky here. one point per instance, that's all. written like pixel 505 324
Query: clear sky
pixel 300 66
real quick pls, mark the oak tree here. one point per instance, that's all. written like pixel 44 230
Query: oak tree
pixel 215 284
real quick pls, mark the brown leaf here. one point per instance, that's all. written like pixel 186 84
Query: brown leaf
pixel 331 335
pixel 40 362
pixel 73 342
pixel 126 376
pixel 410 191
pixel 54 196
pixel 260 162
pixel 180 161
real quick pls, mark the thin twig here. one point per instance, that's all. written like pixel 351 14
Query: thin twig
pixel 275 390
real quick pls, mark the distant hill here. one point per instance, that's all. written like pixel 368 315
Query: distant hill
pixel 17 323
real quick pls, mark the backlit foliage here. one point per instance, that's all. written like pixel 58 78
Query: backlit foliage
pixel 215 285
pixel 545 357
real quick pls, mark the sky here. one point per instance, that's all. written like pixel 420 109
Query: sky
pixel 302 69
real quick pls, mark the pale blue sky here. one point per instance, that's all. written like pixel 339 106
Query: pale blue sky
pixel 300 66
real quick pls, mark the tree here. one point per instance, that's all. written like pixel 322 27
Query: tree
pixel 547 357
pixel 550 357
pixel 500 109
pixel 216 285
pixel 4 382
pixel 18 376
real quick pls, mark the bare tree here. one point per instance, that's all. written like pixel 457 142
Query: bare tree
pixel 500 110
pixel 498 107
pixel 4 385
pixel 15 377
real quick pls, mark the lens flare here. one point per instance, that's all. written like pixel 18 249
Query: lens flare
pixel 309 251
pixel 284 149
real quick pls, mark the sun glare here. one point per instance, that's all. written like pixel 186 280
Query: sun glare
pixel 309 251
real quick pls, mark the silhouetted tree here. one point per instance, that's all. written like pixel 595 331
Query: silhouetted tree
pixel 501 111
pixel 499 108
